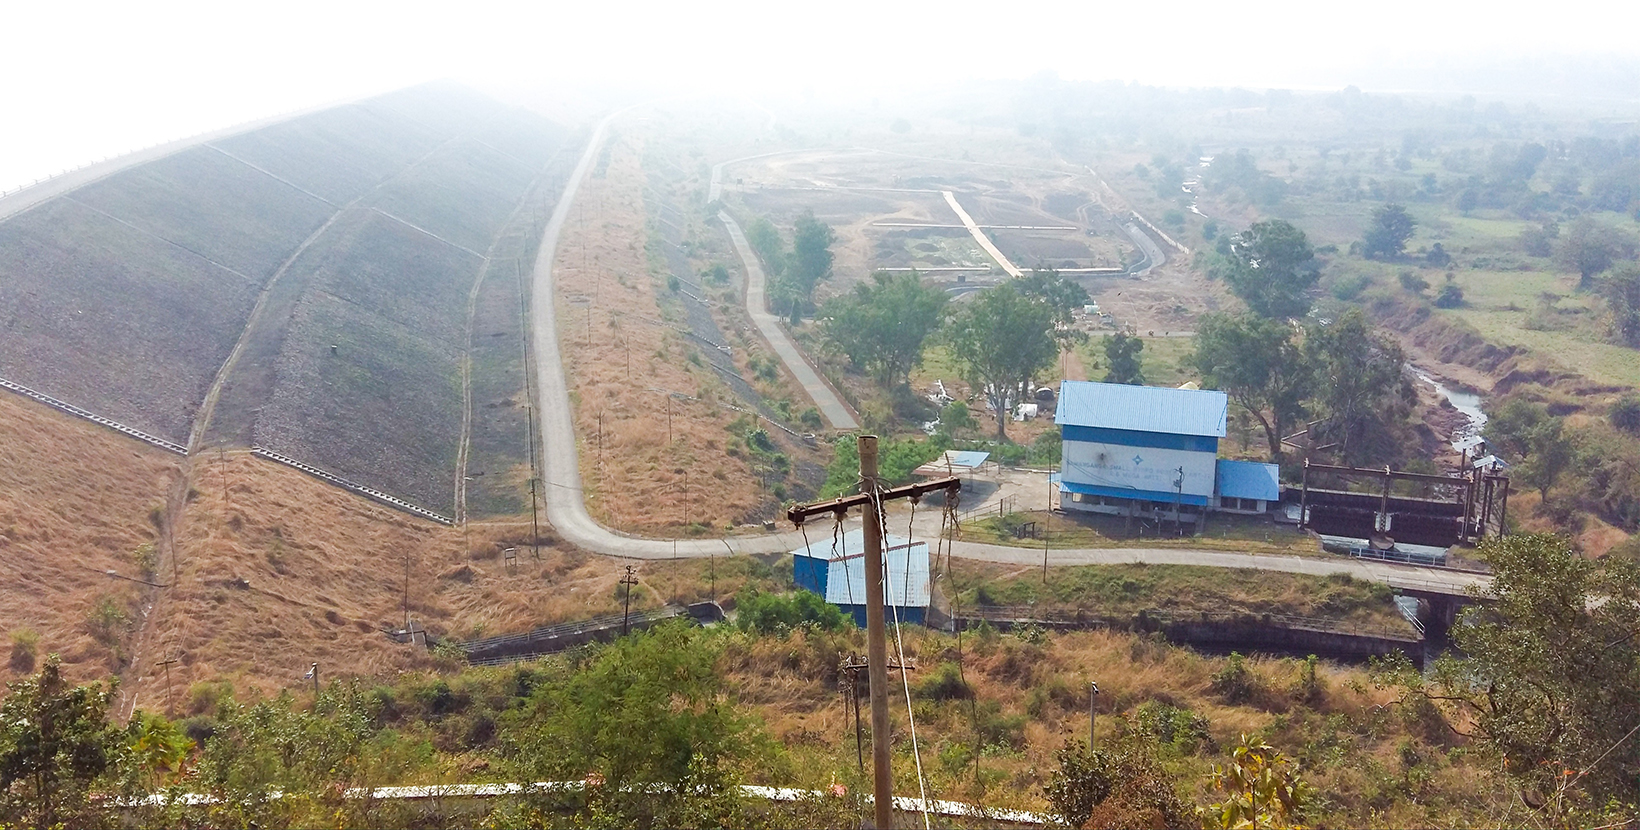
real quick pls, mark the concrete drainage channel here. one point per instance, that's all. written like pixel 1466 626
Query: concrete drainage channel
pixel 513 648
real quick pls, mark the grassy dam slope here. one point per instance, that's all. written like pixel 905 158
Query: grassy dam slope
pixel 316 287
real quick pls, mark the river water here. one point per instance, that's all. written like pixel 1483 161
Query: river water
pixel 1468 403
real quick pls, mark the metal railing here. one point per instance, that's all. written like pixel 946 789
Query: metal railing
pixel 555 638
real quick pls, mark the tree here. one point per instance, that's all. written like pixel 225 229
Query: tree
pixel 1003 339
pixel 1064 297
pixel 648 722
pixel 1450 295
pixel 1437 256
pixel 1272 267
pixel 810 261
pixel 1122 356
pixel 1625 414
pixel 1622 290
pixel 1261 789
pixel 1118 788
pixel 882 324
pixel 1260 364
pixel 55 740
pixel 1525 432
pixel 1387 236
pixel 1550 675
pixel 1589 247
pixel 1361 386
pixel 779 613
pixel 766 242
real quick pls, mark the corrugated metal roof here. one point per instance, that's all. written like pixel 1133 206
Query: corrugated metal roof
pixel 906 562
pixel 1249 480
pixel 1142 408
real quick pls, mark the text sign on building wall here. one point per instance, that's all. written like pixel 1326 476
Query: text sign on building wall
pixel 1139 468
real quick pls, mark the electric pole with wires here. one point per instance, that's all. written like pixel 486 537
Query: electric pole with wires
pixel 871 499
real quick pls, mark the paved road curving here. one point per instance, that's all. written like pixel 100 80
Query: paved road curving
pixel 831 407
pixel 566 509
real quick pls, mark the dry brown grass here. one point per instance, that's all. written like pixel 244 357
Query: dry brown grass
pixel 277 568
pixel 75 500
pixel 792 684
pixel 285 570
pixel 608 310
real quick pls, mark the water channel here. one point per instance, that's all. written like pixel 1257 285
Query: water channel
pixel 1468 403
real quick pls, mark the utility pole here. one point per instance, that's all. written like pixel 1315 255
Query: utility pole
pixel 1178 501
pixel 169 709
pixel 876 636
pixel 407 592
pixel 1093 695
pixel 871 499
pixel 629 580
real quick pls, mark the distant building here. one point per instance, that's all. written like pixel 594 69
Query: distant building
pixel 1152 452
pixel 837 572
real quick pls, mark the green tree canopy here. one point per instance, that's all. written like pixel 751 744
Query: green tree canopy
pixel 1003 338
pixel 1622 290
pixel 883 324
pixel 765 240
pixel 1550 677
pixel 1589 247
pixel 1525 432
pixel 1260 364
pixel 1272 268
pixel 1625 414
pixel 1122 356
pixel 810 261
pixel 1361 386
pixel 55 740
pixel 648 719
pixel 1387 236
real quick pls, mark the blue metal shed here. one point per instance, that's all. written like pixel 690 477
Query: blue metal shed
pixel 834 567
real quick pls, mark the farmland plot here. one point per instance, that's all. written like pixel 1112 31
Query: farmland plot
pixel 114 319
pixel 219 208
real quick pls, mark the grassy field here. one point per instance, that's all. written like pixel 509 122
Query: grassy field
pixel 1125 590
pixel 77 500
pixel 1223 532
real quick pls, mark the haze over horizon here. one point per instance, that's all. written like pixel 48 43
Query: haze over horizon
pixel 96 79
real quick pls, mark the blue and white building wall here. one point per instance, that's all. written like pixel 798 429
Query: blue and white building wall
pixel 1152 451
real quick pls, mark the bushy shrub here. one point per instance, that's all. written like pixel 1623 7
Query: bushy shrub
pixel 767 613
pixel 945 683
pixel 1235 681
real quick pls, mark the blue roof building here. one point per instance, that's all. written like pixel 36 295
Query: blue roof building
pixel 1152 451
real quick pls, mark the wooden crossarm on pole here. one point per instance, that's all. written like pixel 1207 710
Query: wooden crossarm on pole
pixel 799 513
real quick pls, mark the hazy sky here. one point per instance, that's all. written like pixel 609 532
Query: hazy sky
pixel 85 80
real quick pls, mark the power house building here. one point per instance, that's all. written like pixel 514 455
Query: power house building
pixel 1152 452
